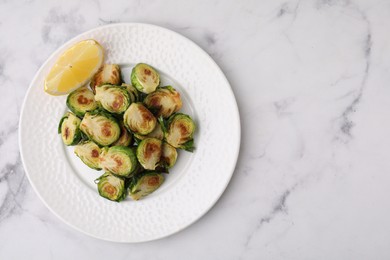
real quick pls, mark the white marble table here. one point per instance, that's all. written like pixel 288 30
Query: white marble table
pixel 312 80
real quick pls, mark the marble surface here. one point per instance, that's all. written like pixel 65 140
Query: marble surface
pixel 312 83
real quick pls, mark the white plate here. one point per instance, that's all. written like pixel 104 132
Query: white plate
pixel 66 185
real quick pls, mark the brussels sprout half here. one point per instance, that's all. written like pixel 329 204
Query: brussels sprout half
pixel 69 129
pixel 149 153
pixel 156 133
pixel 100 127
pixel 180 132
pixel 164 101
pixel 114 99
pixel 80 101
pixel 168 156
pixel 125 137
pixel 133 92
pixel 145 78
pixel 139 119
pixel 111 187
pixel 144 184
pixel 119 160
pixel 108 73
pixel 89 153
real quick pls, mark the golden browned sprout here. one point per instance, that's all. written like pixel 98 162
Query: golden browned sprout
pixel 107 74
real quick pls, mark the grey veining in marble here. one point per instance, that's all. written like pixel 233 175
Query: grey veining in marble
pixel 312 81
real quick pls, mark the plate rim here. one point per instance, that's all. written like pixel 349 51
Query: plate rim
pixel 236 119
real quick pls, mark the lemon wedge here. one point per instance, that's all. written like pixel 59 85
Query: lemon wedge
pixel 74 68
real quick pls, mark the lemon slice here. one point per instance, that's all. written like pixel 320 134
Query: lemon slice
pixel 74 68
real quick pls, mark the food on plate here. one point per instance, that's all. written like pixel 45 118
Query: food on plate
pixel 74 68
pixel 138 119
pixel 119 160
pixel 107 74
pixel 111 187
pixel 100 127
pixel 81 101
pixel 145 78
pixel 144 184
pixel 149 153
pixel 114 99
pixel 69 129
pixel 130 131
pixel 180 131
pixel 168 156
pixel 89 153
pixel 164 101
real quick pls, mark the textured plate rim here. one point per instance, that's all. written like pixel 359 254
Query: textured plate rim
pixel 235 117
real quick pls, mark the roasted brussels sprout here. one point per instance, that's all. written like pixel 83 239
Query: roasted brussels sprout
pixel 108 73
pixel 168 156
pixel 180 132
pixel 89 153
pixel 139 119
pixel 164 101
pixel 69 129
pixel 119 160
pixel 145 78
pixel 114 99
pixel 100 127
pixel 144 184
pixel 125 137
pixel 133 92
pixel 80 101
pixel 111 187
pixel 149 153
pixel 156 133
